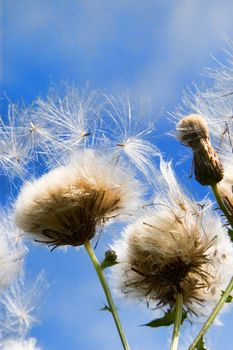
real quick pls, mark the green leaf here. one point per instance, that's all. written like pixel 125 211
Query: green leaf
pixel 109 260
pixel 230 233
pixel 201 344
pixel 105 308
pixel 166 320
pixel 229 299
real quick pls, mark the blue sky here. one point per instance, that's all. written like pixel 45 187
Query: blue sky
pixel 153 50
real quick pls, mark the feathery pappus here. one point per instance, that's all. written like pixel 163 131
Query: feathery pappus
pixel 174 248
pixel 67 205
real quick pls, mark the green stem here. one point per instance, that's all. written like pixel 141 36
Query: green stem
pixel 213 315
pixel 107 292
pixel 177 323
pixel 221 204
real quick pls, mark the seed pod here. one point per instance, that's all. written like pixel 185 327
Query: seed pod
pixel 193 132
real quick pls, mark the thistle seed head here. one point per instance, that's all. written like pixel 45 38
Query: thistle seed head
pixel 165 258
pixel 175 248
pixel 68 204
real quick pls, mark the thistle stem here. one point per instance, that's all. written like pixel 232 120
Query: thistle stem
pixel 108 295
pixel 213 315
pixel 221 204
pixel 177 323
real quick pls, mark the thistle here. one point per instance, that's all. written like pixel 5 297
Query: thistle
pixel 174 249
pixel 67 205
pixel 193 132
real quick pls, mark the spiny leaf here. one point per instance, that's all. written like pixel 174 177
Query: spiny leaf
pixel 201 344
pixel 110 259
pixel 166 320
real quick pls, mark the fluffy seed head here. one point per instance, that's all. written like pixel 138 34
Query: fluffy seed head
pixel 165 258
pixel 174 249
pixel 193 132
pixel 65 206
pixel 191 129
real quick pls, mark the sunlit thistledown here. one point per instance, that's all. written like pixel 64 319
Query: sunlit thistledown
pixel 176 247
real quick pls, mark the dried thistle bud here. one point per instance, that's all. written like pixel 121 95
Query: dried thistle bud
pixel 110 259
pixel 111 256
pixel 67 205
pixel 193 132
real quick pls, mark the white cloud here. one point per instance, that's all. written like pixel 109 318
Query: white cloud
pixel 163 42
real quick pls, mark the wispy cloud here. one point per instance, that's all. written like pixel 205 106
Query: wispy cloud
pixel 147 49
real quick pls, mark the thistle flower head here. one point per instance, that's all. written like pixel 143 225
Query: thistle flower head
pixel 174 250
pixel 193 132
pixel 68 204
